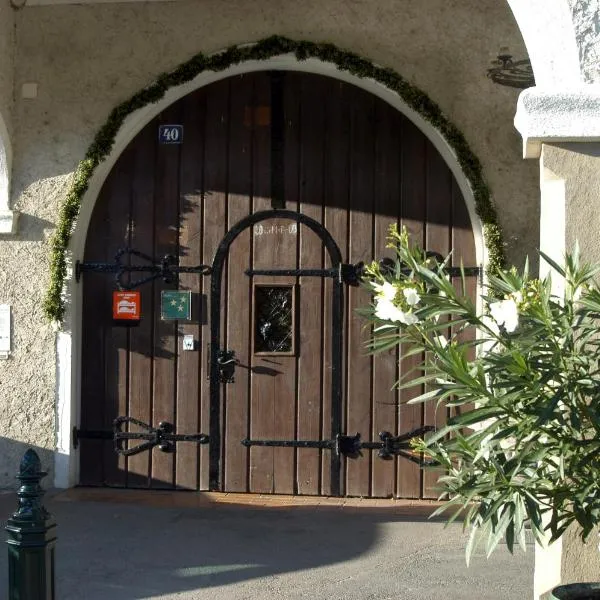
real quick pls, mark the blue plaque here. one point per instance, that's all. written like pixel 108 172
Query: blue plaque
pixel 170 134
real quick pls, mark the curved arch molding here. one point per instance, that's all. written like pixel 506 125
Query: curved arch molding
pixel 416 99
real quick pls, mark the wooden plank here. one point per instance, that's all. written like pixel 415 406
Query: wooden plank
pixel 96 321
pixel 438 239
pixel 238 334
pixel 463 251
pixel 215 223
pixel 166 219
pixel 272 397
pixel 359 395
pixel 117 338
pixel 310 361
pixel 190 236
pixel 413 192
pixel 385 366
pixel 336 199
pixel 141 337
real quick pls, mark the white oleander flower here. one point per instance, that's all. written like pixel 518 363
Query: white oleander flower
pixel 412 296
pixel 490 324
pixel 385 291
pixel 505 312
pixel 388 311
pixel 410 318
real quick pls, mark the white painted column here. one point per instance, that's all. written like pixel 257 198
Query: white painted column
pixel 8 218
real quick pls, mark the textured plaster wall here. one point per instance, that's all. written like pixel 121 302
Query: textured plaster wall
pixel 586 20
pixel 579 166
pixel 87 59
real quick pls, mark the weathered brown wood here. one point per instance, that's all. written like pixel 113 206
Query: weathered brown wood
pixel 387 206
pixel 190 234
pixel 336 218
pixel 463 252
pixel 438 239
pixel 360 373
pixel 263 402
pixel 413 190
pixel 117 338
pixel 96 322
pixel 141 337
pixel 166 239
pixel 345 159
pixel 238 296
pixel 310 360
pixel 214 193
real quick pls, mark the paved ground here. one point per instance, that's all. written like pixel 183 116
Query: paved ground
pixel 131 550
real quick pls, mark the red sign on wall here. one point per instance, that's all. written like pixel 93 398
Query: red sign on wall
pixel 126 306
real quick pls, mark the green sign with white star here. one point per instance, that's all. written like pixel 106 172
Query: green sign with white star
pixel 175 305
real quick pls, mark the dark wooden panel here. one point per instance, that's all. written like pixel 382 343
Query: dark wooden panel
pixel 262 403
pixel 310 363
pixel 359 394
pixel 237 395
pixel 336 199
pixel 190 254
pixel 463 251
pixel 387 199
pixel 141 337
pixel 273 392
pixel 413 191
pixel 117 338
pixel 341 167
pixel 214 215
pixel 166 240
pixel 438 239
pixel 96 322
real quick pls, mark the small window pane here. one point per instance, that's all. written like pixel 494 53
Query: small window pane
pixel 273 318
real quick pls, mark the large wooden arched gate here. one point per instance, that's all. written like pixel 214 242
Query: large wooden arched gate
pixel 278 185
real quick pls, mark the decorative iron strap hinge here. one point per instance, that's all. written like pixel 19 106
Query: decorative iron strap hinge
pixel 161 436
pixel 352 274
pixel 167 268
pixel 350 446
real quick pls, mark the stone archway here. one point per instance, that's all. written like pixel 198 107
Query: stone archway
pixel 69 340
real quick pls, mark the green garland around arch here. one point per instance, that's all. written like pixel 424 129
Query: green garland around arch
pixel 100 148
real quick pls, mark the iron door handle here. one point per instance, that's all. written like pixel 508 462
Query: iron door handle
pixel 226 363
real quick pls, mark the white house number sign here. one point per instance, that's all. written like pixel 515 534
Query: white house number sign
pixel 170 134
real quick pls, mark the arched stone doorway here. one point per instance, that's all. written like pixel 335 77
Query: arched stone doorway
pixel 340 157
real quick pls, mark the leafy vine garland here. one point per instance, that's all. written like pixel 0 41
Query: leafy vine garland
pixel 54 304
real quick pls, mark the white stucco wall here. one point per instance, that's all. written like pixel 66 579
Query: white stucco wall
pixel 87 59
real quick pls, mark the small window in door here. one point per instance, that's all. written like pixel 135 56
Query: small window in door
pixel 274 319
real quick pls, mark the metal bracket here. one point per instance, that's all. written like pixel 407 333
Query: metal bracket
pixel 161 436
pixel 350 446
pixel 167 268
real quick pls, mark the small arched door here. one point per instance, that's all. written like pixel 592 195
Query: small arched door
pixel 350 166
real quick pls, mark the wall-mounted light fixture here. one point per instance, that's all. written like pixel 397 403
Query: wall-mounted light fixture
pixel 513 73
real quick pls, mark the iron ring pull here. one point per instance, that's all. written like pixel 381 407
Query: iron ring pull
pixel 162 436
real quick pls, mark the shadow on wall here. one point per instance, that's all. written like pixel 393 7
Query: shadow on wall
pixel 12 452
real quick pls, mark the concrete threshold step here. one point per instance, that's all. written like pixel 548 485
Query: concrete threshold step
pixel 191 499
